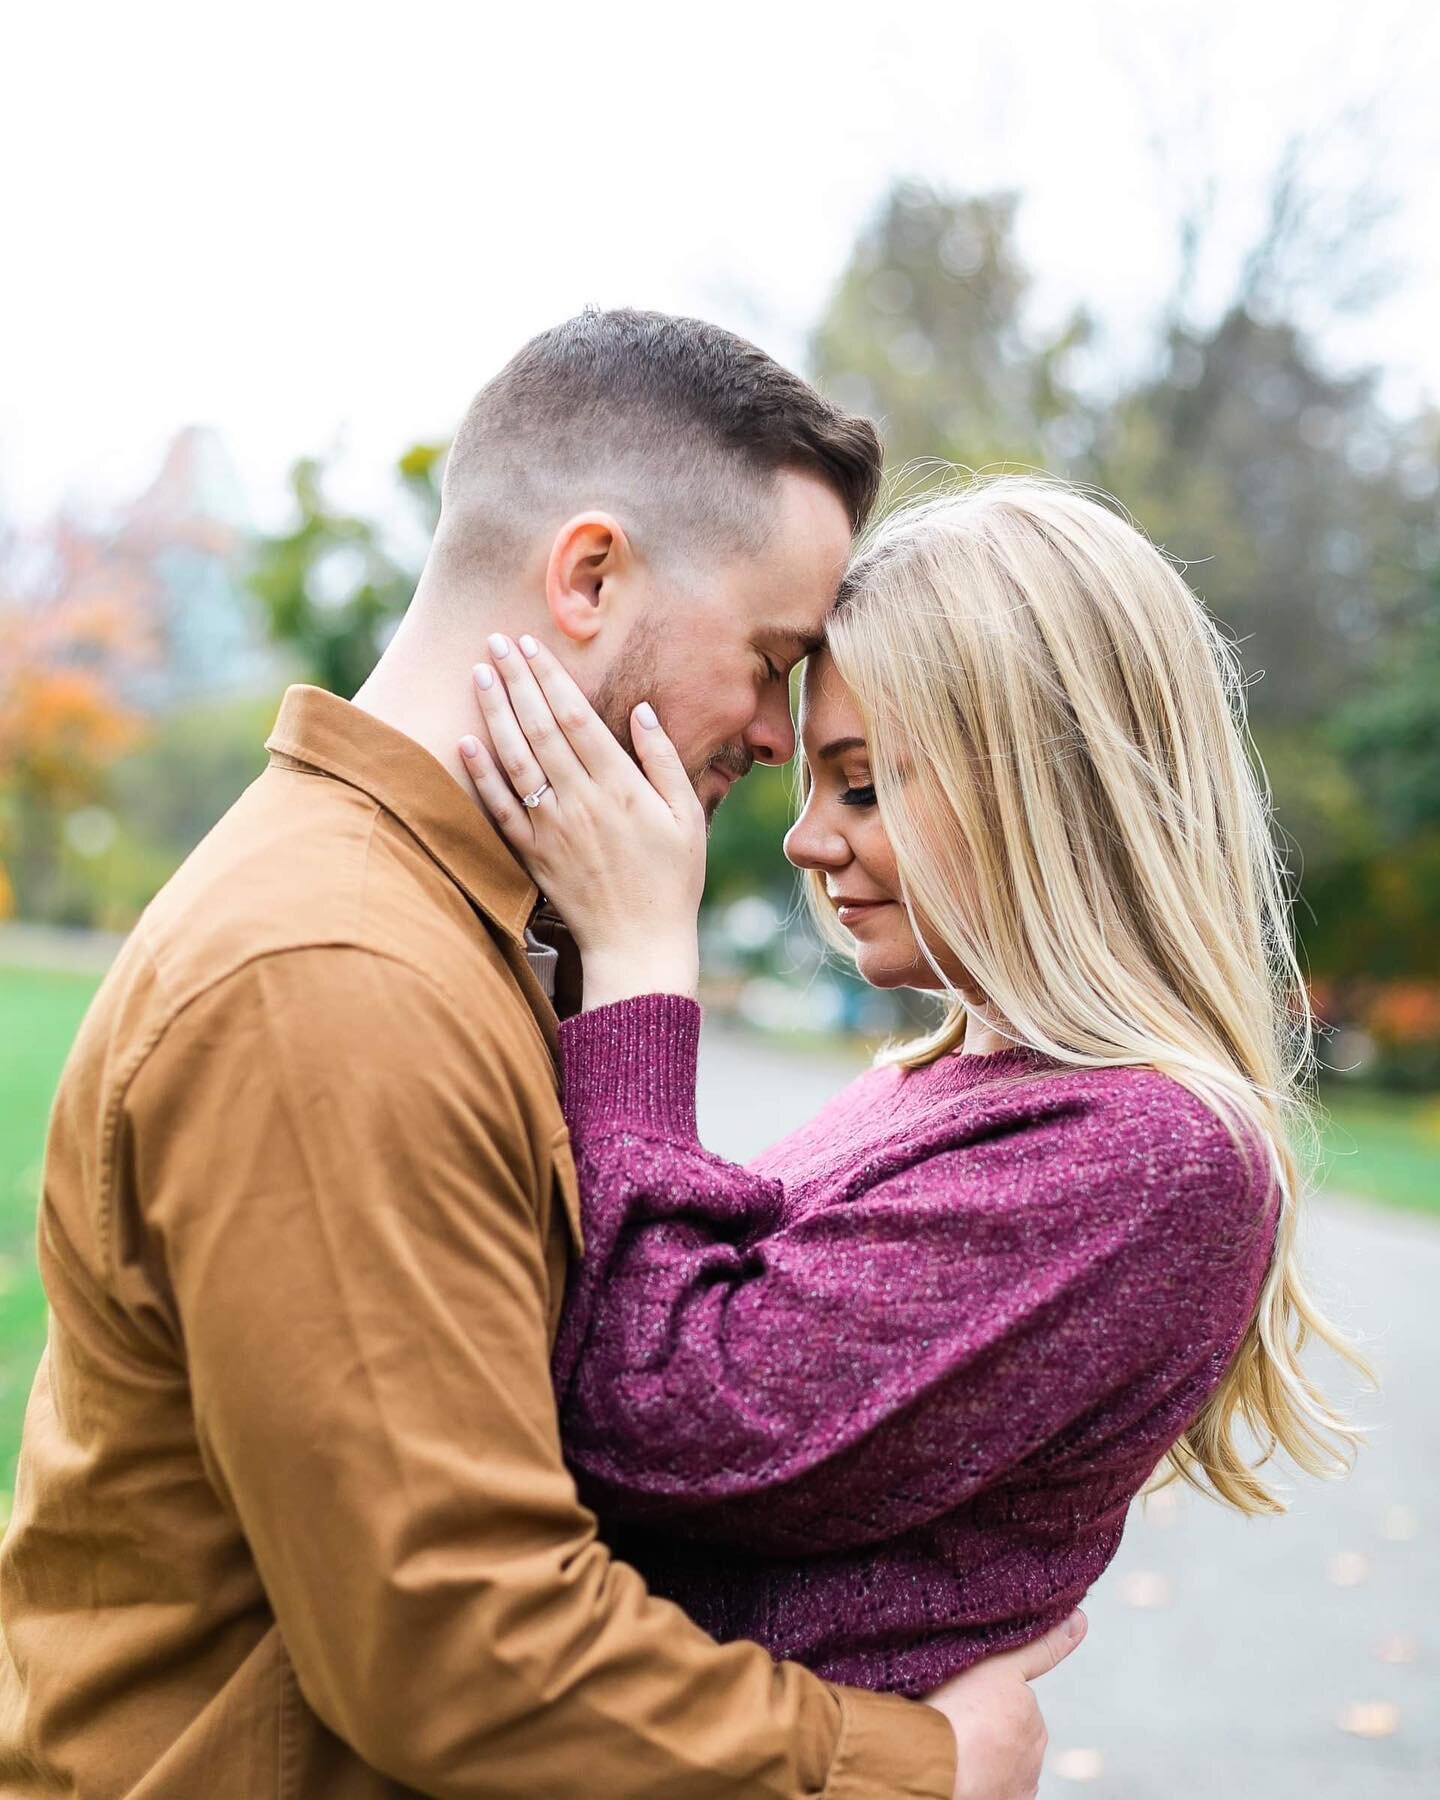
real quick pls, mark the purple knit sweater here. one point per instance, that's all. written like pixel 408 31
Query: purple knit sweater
pixel 880 1399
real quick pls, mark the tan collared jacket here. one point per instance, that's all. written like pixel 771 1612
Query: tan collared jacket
pixel 291 1521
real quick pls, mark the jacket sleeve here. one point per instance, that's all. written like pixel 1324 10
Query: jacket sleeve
pixel 736 1368
pixel 341 1187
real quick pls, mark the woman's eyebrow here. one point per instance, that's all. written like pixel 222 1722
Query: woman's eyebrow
pixel 837 746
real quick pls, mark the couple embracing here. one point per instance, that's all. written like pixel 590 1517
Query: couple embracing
pixel 384 1260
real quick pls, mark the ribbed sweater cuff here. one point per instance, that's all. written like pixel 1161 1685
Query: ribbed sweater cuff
pixel 632 1063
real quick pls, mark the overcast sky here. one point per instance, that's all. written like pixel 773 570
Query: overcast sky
pixel 316 224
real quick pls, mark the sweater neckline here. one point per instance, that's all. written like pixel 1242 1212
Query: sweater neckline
pixel 970 1068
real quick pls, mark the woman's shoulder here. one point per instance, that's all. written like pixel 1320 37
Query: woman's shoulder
pixel 1132 1127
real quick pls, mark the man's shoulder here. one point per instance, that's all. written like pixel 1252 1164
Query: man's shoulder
pixel 301 877
pixel 304 862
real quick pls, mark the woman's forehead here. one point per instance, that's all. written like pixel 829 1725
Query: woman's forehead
pixel 827 704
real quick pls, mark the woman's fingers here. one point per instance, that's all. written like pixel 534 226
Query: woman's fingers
pixel 508 743
pixel 509 816
pixel 661 761
pixel 536 716
pixel 584 730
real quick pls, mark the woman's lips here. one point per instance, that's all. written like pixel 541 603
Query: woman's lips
pixel 850 912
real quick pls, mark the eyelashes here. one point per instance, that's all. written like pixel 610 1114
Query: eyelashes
pixel 858 796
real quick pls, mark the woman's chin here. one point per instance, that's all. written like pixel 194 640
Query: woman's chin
pixel 881 971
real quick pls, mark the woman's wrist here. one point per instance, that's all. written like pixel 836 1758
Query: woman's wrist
pixel 612 975
pixel 632 1063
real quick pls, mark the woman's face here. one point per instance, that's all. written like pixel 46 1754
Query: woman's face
pixel 839 834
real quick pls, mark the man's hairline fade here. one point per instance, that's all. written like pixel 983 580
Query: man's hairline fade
pixel 678 427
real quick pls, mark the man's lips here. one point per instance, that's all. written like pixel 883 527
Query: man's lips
pixel 728 774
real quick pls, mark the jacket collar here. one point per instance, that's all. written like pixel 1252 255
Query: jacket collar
pixel 323 732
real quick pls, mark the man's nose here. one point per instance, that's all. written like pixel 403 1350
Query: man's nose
pixel 771 737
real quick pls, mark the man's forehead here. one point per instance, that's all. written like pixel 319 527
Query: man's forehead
pixel 795 614
pixel 810 540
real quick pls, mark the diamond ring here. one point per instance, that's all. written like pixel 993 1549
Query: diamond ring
pixel 533 800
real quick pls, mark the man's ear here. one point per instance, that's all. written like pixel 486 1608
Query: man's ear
pixel 589 552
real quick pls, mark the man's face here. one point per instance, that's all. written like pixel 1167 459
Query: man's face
pixel 716 663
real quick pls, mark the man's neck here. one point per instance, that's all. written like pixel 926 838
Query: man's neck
pixel 422 684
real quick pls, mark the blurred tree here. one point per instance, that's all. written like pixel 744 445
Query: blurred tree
pixel 927 332
pixel 1390 736
pixel 1286 489
pixel 220 746
pixel 1388 742
pixel 332 586
pixel 62 725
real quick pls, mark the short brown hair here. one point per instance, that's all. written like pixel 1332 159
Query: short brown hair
pixel 679 422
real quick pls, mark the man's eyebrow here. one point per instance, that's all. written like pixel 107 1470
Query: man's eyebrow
pixel 802 643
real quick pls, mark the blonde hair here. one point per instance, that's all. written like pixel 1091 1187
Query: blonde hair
pixel 1060 756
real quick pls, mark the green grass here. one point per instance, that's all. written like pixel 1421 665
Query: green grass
pixel 1379 1148
pixel 39 1013
pixel 1384 1147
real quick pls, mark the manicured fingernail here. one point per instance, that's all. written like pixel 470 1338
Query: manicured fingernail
pixel 469 748
pixel 1075 1624
pixel 645 713
pixel 484 675
pixel 499 644
pixel 528 645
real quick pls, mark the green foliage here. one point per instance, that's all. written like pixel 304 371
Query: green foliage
pixel 332 586
pixel 1390 735
pixel 161 800
pixel 215 750
pixel 745 840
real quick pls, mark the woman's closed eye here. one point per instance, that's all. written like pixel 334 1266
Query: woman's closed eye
pixel 858 796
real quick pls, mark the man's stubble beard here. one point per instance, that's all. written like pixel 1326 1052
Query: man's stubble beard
pixel 635 676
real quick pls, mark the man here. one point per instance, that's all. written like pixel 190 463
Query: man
pixel 291 1517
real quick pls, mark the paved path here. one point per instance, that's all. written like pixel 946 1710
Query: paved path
pixel 1224 1651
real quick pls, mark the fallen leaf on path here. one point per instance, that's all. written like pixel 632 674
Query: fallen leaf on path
pixel 1401 1524
pixel 1079 1765
pixel 1347 1568
pixel 1370 1719
pixel 1146 1589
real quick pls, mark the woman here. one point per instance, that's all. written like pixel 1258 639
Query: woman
pixel 880 1399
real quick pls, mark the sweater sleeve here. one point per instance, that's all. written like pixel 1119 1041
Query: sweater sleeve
pixel 736 1369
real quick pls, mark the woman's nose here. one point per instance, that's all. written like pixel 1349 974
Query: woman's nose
pixel 810 845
